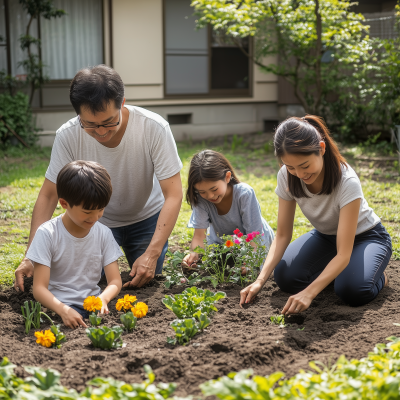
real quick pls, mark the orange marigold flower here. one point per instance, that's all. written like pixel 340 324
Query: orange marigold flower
pixel 125 303
pixel 139 310
pixel 45 338
pixel 229 243
pixel 92 303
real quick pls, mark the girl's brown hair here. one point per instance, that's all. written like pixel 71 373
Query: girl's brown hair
pixel 208 165
pixel 303 136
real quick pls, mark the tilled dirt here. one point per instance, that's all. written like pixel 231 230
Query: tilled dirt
pixel 237 338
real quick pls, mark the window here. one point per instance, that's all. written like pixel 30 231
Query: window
pixel 201 62
pixel 69 43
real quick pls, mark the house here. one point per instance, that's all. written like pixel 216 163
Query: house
pixel 200 82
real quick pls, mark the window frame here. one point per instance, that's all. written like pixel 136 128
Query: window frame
pixel 212 93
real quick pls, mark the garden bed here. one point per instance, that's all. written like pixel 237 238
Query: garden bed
pixel 236 339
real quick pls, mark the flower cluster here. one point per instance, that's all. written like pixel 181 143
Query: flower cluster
pixel 92 304
pixel 140 309
pixel 126 303
pixel 236 239
pixel 45 338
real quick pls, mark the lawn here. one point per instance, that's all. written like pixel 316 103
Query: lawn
pixel 22 174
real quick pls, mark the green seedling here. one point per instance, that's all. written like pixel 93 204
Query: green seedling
pixel 193 302
pixel 60 337
pixel 184 329
pixel 129 321
pixel 105 338
pixel 204 321
pixel 31 315
pixel 278 320
pixel 94 319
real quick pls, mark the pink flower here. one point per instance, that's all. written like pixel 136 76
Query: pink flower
pixel 250 236
pixel 257 233
pixel 236 231
pixel 240 234
pixel 183 280
pixel 248 239
pixel 237 241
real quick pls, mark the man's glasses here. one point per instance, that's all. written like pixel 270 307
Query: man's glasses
pixel 108 125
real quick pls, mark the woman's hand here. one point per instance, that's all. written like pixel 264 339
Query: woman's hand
pixel 249 293
pixel 190 260
pixel 298 303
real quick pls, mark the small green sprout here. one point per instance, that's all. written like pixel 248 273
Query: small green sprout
pixel 60 337
pixel 129 321
pixel 278 320
pixel 31 315
pixel 94 319
pixel 105 338
pixel 184 329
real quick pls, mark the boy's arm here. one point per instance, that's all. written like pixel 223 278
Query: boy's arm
pixel 114 285
pixel 41 278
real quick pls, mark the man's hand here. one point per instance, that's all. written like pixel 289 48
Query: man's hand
pixel 71 318
pixel 249 293
pixel 190 260
pixel 297 303
pixel 143 270
pixel 25 269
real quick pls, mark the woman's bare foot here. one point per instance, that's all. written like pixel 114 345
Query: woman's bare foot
pixel 386 279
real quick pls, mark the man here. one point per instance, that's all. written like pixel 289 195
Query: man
pixel 137 148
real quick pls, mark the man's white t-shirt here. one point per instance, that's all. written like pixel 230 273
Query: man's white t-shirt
pixel 75 263
pixel 146 155
pixel 323 210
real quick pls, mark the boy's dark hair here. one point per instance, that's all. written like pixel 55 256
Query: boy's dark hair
pixel 95 88
pixel 303 136
pixel 84 183
pixel 208 165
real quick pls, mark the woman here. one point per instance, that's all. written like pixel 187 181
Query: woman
pixel 348 245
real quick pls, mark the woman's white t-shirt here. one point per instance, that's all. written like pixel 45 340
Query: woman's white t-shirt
pixel 323 210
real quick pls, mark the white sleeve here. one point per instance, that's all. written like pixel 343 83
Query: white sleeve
pixel 111 250
pixel 282 189
pixel 61 155
pixel 350 191
pixel 40 250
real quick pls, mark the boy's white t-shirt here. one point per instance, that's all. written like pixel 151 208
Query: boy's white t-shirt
pixel 323 210
pixel 75 263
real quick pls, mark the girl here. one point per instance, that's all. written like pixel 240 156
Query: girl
pixel 348 245
pixel 221 203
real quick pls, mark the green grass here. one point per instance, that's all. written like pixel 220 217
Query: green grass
pixel 22 172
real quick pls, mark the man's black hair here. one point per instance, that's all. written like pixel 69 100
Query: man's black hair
pixel 95 88
pixel 84 183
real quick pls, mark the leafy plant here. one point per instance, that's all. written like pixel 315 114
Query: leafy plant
pixel 184 329
pixel 193 302
pixel 94 319
pixel 31 315
pixel 129 321
pixel 204 321
pixel 278 320
pixel 60 337
pixel 105 338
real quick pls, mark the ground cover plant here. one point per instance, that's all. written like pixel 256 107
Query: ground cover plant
pixel 237 338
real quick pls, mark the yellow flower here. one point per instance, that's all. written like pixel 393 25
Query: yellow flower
pixel 125 303
pixel 92 303
pixel 45 338
pixel 140 310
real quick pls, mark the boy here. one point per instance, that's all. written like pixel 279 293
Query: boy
pixel 70 251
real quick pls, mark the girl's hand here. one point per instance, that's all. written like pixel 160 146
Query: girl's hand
pixel 71 318
pixel 249 293
pixel 297 303
pixel 190 260
pixel 104 307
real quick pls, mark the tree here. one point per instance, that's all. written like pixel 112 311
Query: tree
pixel 33 64
pixel 318 43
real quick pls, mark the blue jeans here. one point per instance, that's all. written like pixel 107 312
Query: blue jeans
pixel 358 284
pixel 134 240
pixel 82 311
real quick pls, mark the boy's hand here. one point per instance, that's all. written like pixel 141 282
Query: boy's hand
pixel 190 260
pixel 71 318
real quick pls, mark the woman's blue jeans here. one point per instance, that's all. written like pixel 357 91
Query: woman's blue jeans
pixel 134 240
pixel 358 284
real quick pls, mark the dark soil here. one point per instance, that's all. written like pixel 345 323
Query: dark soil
pixel 236 339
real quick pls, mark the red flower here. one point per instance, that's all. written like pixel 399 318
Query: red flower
pixel 248 239
pixel 236 231
pixel 250 236
pixel 240 234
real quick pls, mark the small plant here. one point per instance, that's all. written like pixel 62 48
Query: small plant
pixel 184 329
pixel 59 336
pixel 31 315
pixel 105 338
pixel 193 302
pixel 129 321
pixel 278 320
pixel 204 321
pixel 94 319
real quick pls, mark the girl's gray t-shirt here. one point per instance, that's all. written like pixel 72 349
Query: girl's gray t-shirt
pixel 146 155
pixel 244 214
pixel 323 210
pixel 75 263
